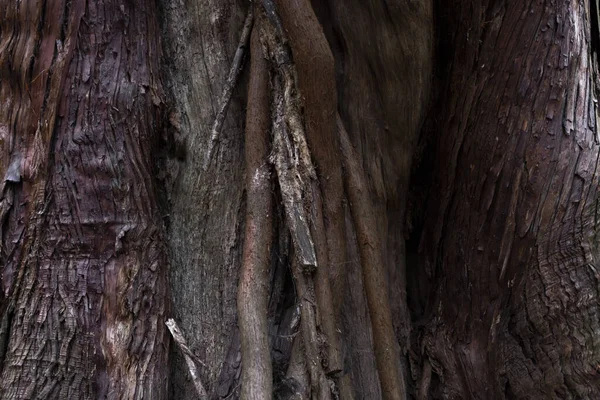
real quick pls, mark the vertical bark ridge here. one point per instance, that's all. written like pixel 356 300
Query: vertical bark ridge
pixel 316 81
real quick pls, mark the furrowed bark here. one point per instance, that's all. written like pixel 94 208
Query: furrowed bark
pixel 374 275
pixel 253 285
pixel 81 107
pixel 510 245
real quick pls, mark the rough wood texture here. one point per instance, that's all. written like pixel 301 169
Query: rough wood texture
pixel 83 263
pixel 509 248
pixel 316 81
pixel 384 113
pixel 206 207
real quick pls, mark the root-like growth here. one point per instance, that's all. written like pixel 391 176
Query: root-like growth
pixel 313 205
pixel 253 288
pixel 374 276
pixel 319 386
pixel 327 317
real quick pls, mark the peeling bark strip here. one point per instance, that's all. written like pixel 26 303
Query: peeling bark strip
pixel 84 265
pixel 291 156
pixel 316 82
pixel 253 287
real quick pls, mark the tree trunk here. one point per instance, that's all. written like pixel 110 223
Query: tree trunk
pixel 376 212
pixel 83 255
pixel 508 251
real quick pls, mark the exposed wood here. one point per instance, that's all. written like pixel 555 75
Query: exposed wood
pixel 316 82
pixel 205 208
pixel 332 352
pixel 291 156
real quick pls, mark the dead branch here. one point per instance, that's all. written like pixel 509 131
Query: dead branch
pixel 253 289
pixel 188 356
pixel 232 78
pixel 374 276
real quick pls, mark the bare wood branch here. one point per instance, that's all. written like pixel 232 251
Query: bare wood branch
pixel 188 355
pixel 253 287
pixel 327 317
pixel 232 78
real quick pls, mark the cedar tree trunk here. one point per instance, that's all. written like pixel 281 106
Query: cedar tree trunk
pixel 338 199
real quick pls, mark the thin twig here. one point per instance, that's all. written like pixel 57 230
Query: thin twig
pixel 232 78
pixel 188 355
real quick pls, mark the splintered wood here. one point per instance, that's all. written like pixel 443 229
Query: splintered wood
pixel 188 355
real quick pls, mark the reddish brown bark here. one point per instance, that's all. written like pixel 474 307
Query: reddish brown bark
pixel 253 295
pixel 83 269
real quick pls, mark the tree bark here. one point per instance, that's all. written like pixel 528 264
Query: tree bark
pixel 443 246
pixel 83 254
pixel 508 251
